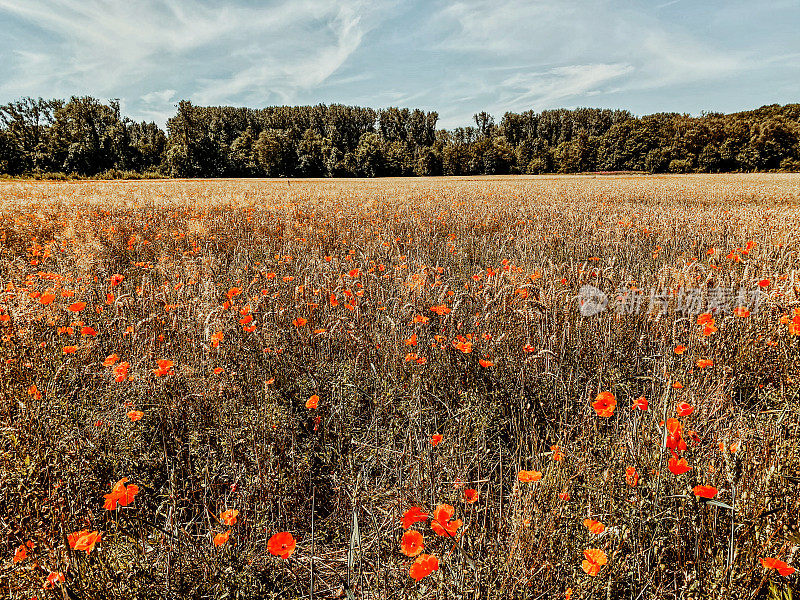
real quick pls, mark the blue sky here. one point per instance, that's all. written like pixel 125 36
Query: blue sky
pixel 455 57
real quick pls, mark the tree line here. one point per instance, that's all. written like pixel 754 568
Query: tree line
pixel 87 137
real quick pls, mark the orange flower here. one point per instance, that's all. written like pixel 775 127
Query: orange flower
pixel 780 566
pixel 705 491
pixel 678 466
pixel 413 515
pixel 218 370
pixel 412 543
pixel 470 496
pixel 440 310
pixel 558 456
pixel 485 363
pixel 441 523
pixel 83 540
pixel 641 403
pixel 121 371
pixel 529 476
pixel 54 578
pixel 281 544
pixel 135 415
pixel 423 566
pixel 595 559
pixel 704 362
pixel 604 404
pixel 675 440
pixel 764 283
pixel 679 349
pixel 631 476
pixel 436 438
pixel 120 494
pixel 70 349
pixel 20 554
pixel 116 279
pixel 299 322
pixel 312 402
pixel 110 360
pixel 684 410
pixel 222 538
pixel 86 330
pixel 595 527
pixel 234 291
pixel 77 306
pixel 677 385
pixel 229 517
pixel 47 298
pixel 164 367
pixel 741 311
pixel 705 319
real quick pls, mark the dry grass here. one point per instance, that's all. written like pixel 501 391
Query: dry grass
pixel 507 256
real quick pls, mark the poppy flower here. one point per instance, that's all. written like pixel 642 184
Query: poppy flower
pixel 20 554
pixel 281 544
pixel 76 307
pixel 412 543
pixel 218 370
pixel 595 527
pixel 70 349
pixel 705 319
pixel 704 491
pixel 135 415
pixel 558 456
pixel 704 362
pixel 164 367
pixel 229 516
pixel 86 330
pixel 764 283
pixel 470 496
pixel 353 273
pixel 222 538
pixel 595 559
pixel 120 494
pixel 440 309
pixel 83 540
pixel 110 360
pixel 54 578
pixel 741 311
pixel 413 515
pixel 121 371
pixel 423 566
pixel 529 476
pixel 684 409
pixel 641 403
pixel 47 298
pixel 677 385
pixel 631 476
pixel 116 279
pixel 436 438
pixel 678 466
pixel 299 322
pixel 780 566
pixel 485 363
pixel 709 329
pixel 675 440
pixel 679 349
pixel 312 402
pixel 564 496
pixel 604 404
pixel 441 523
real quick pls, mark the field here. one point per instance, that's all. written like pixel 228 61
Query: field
pixel 324 356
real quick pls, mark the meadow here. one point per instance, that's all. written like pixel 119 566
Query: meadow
pixel 401 388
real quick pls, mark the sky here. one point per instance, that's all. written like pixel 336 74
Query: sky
pixel 454 57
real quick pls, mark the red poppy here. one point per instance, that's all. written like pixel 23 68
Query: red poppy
pixel 412 543
pixel 604 404
pixel 222 538
pixel 470 496
pixel 704 362
pixel 135 415
pixel 120 494
pixel 674 439
pixel 595 527
pixel 780 566
pixel 299 322
pixel 423 566
pixel 485 363
pixel 47 298
pixel 764 283
pixel 679 349
pixel 312 402
pixel 121 371
pixel 86 330
pixel 641 403
pixel 441 523
pixel 70 349
pixel 77 306
pixel 684 409
pixel 529 476
pixel 678 466
pixel 116 279
pixel 705 491
pixel 631 476
pixel 440 309
pixel 281 544
pixel 413 515
pixel 558 456
pixel 110 360
pixel 229 517
pixel 564 496
pixel 20 554
pixel 218 370
pixel 83 540
pixel 436 438
pixel 595 559
pixel 164 367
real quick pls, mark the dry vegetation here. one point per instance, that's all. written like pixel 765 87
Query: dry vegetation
pixel 340 278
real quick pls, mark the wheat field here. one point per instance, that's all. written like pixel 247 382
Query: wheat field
pixel 519 387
